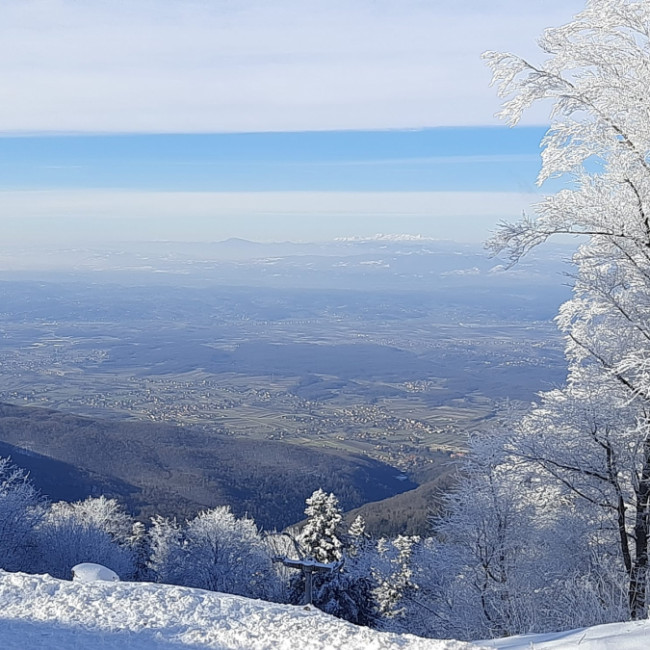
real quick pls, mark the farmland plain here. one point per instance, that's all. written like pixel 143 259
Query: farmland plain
pixel 390 348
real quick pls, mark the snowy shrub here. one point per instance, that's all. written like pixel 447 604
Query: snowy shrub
pixel 214 551
pixel 21 510
pixel 94 530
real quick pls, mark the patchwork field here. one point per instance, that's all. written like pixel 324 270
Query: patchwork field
pixel 396 362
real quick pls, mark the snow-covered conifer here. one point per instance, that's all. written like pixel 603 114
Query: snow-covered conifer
pixel 320 535
pixel 348 592
pixel 394 578
pixel 357 539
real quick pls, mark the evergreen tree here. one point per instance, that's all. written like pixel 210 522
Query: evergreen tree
pixel 348 592
pixel 394 579
pixel 320 536
pixel 357 539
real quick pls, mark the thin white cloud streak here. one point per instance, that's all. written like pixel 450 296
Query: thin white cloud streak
pixel 437 160
pixel 199 65
pixel 70 215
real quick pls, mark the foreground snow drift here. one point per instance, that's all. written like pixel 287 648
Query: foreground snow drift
pixel 633 635
pixel 42 612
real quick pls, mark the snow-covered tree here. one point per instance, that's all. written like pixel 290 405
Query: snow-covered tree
pixel 166 544
pixel 320 535
pixel 319 541
pixel 516 552
pixel 357 540
pixel 94 530
pixel 485 533
pixel 342 584
pixel 393 576
pixel 597 77
pixel 214 551
pixel 21 510
pixel 140 542
pixel 348 592
pixel 227 554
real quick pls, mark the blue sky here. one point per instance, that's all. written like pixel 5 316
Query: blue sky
pixel 197 119
pixel 452 159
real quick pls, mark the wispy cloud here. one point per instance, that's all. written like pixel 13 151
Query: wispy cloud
pixel 439 160
pixel 199 65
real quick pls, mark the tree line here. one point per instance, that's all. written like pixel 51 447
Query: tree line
pixel 215 550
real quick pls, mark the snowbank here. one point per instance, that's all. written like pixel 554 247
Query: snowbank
pixel 615 636
pixel 89 572
pixel 42 612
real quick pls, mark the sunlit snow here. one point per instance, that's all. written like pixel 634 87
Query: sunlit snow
pixel 42 612
pixel 89 572
pixel 631 635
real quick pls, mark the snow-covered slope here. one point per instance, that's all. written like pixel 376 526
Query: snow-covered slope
pixel 633 635
pixel 41 612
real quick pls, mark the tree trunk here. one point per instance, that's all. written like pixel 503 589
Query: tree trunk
pixel 638 575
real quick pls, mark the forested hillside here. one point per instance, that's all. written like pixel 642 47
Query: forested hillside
pixel 175 471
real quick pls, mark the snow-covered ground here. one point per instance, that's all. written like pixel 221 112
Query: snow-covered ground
pixel 39 612
pixel 615 636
